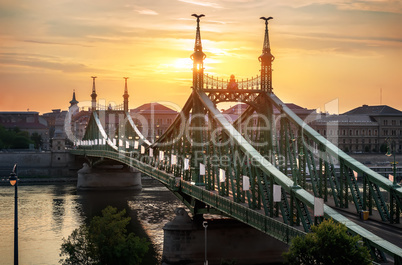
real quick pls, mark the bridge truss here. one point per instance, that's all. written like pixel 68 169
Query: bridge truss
pixel 263 169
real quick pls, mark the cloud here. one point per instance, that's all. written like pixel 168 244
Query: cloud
pixel 41 62
pixel 146 12
pixel 202 3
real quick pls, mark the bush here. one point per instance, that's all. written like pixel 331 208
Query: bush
pixel 104 242
pixel 328 243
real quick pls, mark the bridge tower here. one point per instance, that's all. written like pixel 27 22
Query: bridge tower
pixel 126 95
pixel 266 59
pixel 197 119
pixel 93 95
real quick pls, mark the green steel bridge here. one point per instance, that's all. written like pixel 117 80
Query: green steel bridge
pixel 264 170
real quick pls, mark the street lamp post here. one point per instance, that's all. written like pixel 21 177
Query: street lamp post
pixel 391 152
pixel 394 209
pixel 205 225
pixel 14 182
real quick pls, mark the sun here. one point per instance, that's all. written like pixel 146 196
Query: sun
pixel 183 64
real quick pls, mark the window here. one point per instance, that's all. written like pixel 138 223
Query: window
pixel 385 122
pixel 393 122
pixel 357 132
pixel 369 132
pixel 363 131
pixel 357 141
pixel 350 132
pixel 385 132
pixel 344 132
pixel 375 132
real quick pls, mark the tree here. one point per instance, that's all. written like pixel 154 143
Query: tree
pixel 328 243
pixel 37 139
pixel 14 138
pixel 78 248
pixel 105 241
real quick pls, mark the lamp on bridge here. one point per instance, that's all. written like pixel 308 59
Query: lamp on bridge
pixel 391 151
pixel 14 182
pixel 394 208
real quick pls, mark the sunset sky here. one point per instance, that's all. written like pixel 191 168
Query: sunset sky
pixel 325 50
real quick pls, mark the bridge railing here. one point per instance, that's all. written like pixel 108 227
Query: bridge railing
pixel 331 169
pixel 214 83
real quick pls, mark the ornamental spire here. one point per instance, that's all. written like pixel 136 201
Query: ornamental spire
pixel 198 57
pixel 198 45
pixel 266 59
pixel 125 96
pixel 266 47
pixel 93 95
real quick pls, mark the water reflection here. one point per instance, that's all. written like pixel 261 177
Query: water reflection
pixel 47 213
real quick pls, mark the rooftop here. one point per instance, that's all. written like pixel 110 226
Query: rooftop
pixel 380 110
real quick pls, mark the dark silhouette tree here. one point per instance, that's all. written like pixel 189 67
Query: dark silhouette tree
pixel 105 241
pixel 328 243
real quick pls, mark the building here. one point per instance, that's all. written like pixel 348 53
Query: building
pixel 363 129
pixel 153 119
pixel 28 121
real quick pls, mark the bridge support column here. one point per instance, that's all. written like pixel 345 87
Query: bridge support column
pixel 227 240
pixel 113 177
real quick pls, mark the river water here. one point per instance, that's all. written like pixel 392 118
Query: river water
pixel 49 213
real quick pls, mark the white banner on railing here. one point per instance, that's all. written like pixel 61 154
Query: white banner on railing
pixel 186 164
pixel 161 155
pixel 142 149
pixel 277 193
pixel 151 152
pixel 222 176
pixel 135 144
pixel 246 183
pixel 173 159
pixel 202 169
pixel 318 206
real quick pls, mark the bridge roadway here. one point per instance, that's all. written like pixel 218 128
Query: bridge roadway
pixel 390 232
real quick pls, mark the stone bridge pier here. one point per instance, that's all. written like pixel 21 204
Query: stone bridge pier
pixel 108 177
pixel 228 242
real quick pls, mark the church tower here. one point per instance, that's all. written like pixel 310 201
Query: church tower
pixel 266 59
pixel 125 95
pixel 73 102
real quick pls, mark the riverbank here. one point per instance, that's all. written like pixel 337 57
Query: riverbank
pixel 40 180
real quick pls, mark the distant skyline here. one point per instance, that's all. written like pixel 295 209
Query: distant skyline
pixel 343 52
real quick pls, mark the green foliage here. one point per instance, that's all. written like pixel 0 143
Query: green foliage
pixel 14 139
pixel 78 248
pixel 104 242
pixel 328 243
pixel 36 139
